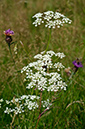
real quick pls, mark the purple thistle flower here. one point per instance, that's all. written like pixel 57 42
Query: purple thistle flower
pixel 9 32
pixel 76 64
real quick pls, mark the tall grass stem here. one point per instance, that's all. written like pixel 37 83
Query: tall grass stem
pixel 48 40
pixel 25 50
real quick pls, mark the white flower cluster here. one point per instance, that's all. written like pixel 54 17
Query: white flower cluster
pixel 46 103
pixel 16 110
pixel 51 19
pixel 1 100
pixel 24 103
pixel 58 66
pixel 42 74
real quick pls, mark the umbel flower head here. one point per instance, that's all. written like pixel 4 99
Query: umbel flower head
pixel 24 103
pixel 8 34
pixel 45 74
pixel 51 19
pixel 77 64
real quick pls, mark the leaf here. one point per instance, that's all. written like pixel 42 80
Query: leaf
pixel 13 42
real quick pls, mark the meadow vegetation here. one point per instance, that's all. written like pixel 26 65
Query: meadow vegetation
pixel 66 108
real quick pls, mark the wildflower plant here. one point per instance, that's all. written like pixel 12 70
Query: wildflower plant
pixel 9 33
pixel 44 74
pixel 51 20
pixel 8 38
pixel 44 77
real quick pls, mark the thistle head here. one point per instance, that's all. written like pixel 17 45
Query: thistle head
pixel 8 34
pixel 77 63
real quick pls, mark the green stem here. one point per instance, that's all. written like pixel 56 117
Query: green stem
pixel 71 75
pixel 48 41
pixel 11 52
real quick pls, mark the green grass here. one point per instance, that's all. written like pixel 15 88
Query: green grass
pixel 70 39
